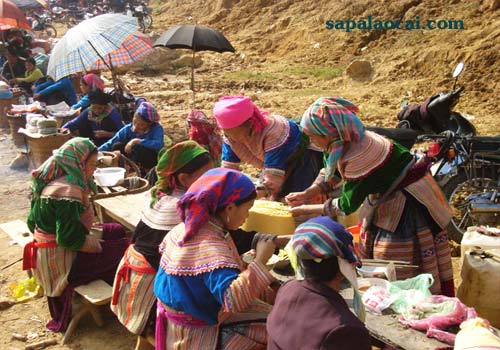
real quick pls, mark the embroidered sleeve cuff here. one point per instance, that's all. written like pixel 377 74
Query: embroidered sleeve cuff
pixel 231 165
pixel 331 208
pixel 273 178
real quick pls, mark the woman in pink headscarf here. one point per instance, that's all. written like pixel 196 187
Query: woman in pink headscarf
pixel 89 82
pixel 267 141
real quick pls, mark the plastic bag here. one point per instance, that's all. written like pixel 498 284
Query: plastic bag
pixel 410 291
pixel 376 299
pixel 25 289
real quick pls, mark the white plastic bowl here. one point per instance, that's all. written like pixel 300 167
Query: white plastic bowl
pixel 365 283
pixel 109 176
pixel 372 271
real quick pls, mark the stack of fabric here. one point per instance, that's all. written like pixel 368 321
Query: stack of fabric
pixel 32 121
pixel 47 126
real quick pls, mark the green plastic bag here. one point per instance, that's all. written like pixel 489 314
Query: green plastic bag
pixel 410 291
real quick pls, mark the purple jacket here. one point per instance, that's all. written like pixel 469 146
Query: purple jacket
pixel 311 316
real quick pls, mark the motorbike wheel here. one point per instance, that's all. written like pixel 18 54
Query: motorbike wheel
pixel 71 22
pixel 50 31
pixel 148 21
pixel 456 191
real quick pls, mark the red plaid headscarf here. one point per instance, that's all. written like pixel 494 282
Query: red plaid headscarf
pixel 204 130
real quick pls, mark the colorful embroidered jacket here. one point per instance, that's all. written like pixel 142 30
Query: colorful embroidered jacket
pixel 268 150
pixel 205 278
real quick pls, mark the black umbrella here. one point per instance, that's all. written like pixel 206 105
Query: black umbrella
pixel 196 38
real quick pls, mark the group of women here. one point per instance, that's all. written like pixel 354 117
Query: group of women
pixel 183 275
pixel 101 122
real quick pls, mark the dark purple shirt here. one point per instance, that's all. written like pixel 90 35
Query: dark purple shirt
pixel 311 316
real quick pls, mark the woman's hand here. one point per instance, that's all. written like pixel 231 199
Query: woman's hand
pixel 264 250
pixel 307 209
pixel 131 144
pixel 37 96
pixel 91 245
pixel 282 241
pixel 296 198
pixel 103 133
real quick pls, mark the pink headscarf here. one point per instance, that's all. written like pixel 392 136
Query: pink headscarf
pixel 232 111
pixel 93 81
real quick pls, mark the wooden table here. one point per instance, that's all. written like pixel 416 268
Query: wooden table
pixel 388 330
pixel 125 210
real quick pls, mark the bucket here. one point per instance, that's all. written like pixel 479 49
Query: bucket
pixel 355 231
pixel 480 281
pixel 349 220
pixel 40 148
pixel 17 121
pixel 63 120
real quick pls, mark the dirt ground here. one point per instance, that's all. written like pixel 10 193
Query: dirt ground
pixel 285 59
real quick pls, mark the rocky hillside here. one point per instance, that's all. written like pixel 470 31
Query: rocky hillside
pixel 286 57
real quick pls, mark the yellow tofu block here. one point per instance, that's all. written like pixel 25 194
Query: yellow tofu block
pixel 270 217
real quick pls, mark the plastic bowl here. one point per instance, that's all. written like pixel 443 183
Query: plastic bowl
pixel 372 271
pixel 365 283
pixel 109 176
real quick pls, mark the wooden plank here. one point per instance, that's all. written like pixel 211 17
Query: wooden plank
pixel 106 189
pixel 97 292
pixel 18 231
pixel 387 329
pixel 118 188
pixel 125 209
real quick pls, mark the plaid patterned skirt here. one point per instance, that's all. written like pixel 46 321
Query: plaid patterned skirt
pixel 133 296
pixel 243 331
pixel 417 240
pixel 53 265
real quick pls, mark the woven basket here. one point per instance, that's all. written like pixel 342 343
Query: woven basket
pixel 63 120
pixel 114 160
pixel 17 121
pixel 141 185
pixel 40 148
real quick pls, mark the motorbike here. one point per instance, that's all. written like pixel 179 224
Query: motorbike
pixel 141 13
pixel 58 14
pixel 465 166
pixel 41 23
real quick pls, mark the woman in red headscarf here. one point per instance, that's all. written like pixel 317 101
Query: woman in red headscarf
pixel 89 82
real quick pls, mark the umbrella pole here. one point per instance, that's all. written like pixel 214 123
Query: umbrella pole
pixel 192 78
pixel 8 62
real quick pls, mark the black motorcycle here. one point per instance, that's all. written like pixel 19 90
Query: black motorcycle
pixel 41 23
pixel 465 166
pixel 141 12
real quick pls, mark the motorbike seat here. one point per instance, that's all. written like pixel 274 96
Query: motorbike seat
pixel 405 137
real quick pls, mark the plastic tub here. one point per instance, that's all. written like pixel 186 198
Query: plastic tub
pixel 365 283
pixel 109 176
pixel 355 231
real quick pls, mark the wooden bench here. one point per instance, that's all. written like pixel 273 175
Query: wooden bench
pixel 93 295
pixel 19 232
